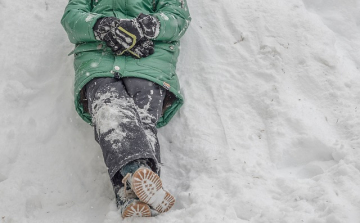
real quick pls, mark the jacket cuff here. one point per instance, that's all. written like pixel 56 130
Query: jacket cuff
pixel 163 33
pixel 85 32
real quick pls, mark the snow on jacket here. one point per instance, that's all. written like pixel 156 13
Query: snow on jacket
pixel 94 59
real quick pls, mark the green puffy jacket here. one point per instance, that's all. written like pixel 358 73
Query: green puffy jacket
pixel 94 59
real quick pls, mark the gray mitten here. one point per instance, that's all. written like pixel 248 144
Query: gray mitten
pixel 102 31
pixel 142 49
pixel 119 34
pixel 122 35
pixel 150 25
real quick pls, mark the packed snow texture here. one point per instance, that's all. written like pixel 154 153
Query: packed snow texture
pixel 270 131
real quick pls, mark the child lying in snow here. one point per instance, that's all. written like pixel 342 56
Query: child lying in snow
pixel 126 86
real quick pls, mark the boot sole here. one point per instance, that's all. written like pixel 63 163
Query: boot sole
pixel 137 209
pixel 147 186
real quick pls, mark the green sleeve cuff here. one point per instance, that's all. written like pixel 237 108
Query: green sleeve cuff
pixel 172 28
pixel 79 26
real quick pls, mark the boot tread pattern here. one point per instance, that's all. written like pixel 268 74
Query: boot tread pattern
pixel 147 186
pixel 137 209
pixel 166 204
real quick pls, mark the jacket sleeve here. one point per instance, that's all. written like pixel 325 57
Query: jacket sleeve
pixel 174 19
pixel 78 21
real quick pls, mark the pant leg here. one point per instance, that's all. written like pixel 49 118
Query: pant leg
pixel 118 126
pixel 148 98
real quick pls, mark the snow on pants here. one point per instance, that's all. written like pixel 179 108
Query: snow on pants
pixel 124 113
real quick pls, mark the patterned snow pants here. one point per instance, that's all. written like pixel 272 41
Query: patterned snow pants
pixel 124 113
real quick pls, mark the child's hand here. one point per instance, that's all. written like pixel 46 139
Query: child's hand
pixel 150 25
pixel 120 35
pixel 102 31
pixel 143 49
pixel 130 36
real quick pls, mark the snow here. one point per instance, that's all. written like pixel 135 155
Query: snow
pixel 90 17
pixel 109 113
pixel 269 131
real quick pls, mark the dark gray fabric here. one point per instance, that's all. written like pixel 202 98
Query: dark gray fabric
pixel 125 112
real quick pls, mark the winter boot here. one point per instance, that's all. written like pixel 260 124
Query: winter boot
pixel 147 186
pixel 130 206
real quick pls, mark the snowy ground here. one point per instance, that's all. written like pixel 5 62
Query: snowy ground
pixel 270 131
